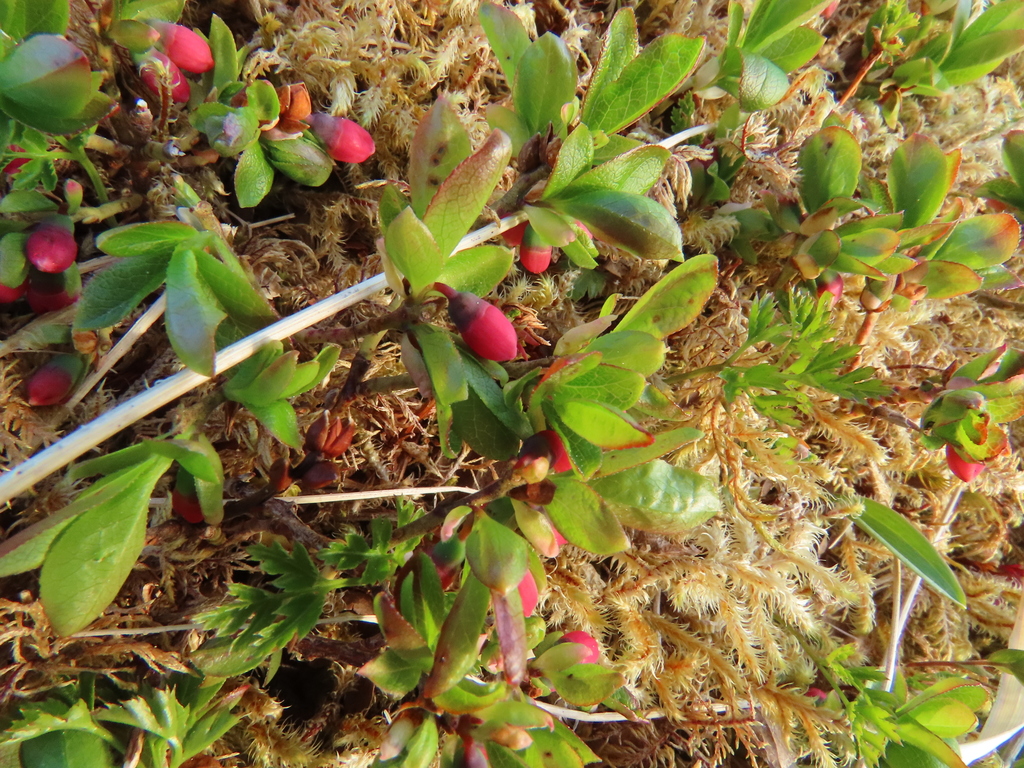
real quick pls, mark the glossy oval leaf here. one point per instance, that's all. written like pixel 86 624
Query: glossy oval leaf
pixel 456 652
pixel 635 171
pixel 193 313
pixel 113 293
pixel 920 177
pixel 981 241
pixel 506 36
pixel 830 163
pixel 574 157
pixel 578 514
pixel 908 544
pixel 676 300
pixel 664 442
pixel 634 350
pixel 762 82
pixel 659 497
pixel 477 270
pixel 147 239
pixel 602 424
pixel 632 222
pixel 945 279
pixel 440 144
pixel 412 250
pixel 545 80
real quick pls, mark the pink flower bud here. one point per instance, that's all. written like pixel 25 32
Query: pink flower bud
pixel 184 499
pixel 528 593
pixel 963 468
pixel 152 78
pixel 483 326
pixel 346 140
pixel 50 291
pixel 52 383
pixel 534 254
pixel 830 9
pixel 51 246
pixel 9 295
pixel 560 459
pixel 18 163
pixel 585 639
pixel 184 47
pixel 830 282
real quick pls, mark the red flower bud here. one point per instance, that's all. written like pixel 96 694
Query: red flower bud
pixel 346 140
pixel 963 468
pixel 830 282
pixel 585 639
pixel 528 594
pixel 15 165
pixel 152 77
pixel 50 291
pixel 560 459
pixel 9 295
pixel 52 383
pixel 514 236
pixel 184 47
pixel 542 453
pixel 830 9
pixel 184 499
pixel 51 246
pixel 483 326
pixel 534 254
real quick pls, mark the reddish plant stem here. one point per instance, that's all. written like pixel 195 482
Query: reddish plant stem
pixel 854 86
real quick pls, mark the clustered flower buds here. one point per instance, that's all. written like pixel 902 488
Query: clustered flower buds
pixel 346 140
pixel 51 246
pixel 542 453
pixel 178 48
pixel 39 264
pixel 153 71
pixel 50 291
pixel 485 328
pixel 184 47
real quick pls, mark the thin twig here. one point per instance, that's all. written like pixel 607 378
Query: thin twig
pixel 119 350
pixel 892 654
pixel 327 498
pixel 368 618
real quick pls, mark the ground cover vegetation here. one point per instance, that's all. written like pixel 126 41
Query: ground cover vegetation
pixel 511 385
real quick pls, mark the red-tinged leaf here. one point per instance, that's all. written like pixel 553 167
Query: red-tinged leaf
pixel 399 633
pixel 632 222
pixel 602 424
pixel 496 554
pixel 664 442
pixel 920 177
pixel 440 144
pixel 511 628
pixel 586 685
pixel 1013 156
pixel 397 674
pixel 923 235
pixel 872 246
pixel 980 242
pixel 457 646
pixel 462 196
pixel 830 163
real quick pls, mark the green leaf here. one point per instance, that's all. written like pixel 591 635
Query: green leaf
pixel 225 55
pixel 945 279
pixel 99 107
pixel 994 35
pixel 675 301
pixel 164 10
pixel 632 222
pixel 46 77
pixel 90 559
pixel 578 514
pixel 575 157
pixel 617 387
pixel 193 313
pixel 392 203
pixel 762 82
pixel 456 652
pixel 642 83
pixel 1013 156
pixel 585 456
pixel 112 294
pixel 908 544
pixel 397 674
pixel 830 162
pixel 981 241
pixel 254 176
pixel 506 36
pixel 155 238
pixel 232 288
pixel 279 418
pixel 462 196
pixel 412 249
pixel 602 424
pixel 481 429
pixel 477 270
pixel 664 442
pixel 773 19
pixel 496 554
pixel 62 749
pixel 635 171
pixel 447 376
pixel 27 201
pixel 13 264
pixel 471 696
pixel 26 549
pixel 793 50
pixel 634 350
pixel 21 18
pixel 550 227
pixel 504 119
pixel 915 736
pixel 545 80
pixel 440 144
pixel 946 718
pixel 621 45
pixel 920 177
pixel 586 685
pixel 659 497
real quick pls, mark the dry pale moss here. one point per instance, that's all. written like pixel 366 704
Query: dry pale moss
pixel 703 625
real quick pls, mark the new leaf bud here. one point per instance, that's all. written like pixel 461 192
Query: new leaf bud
pixel 534 253
pixel 346 140
pixel 587 640
pixel 184 47
pixel 152 72
pixel 52 383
